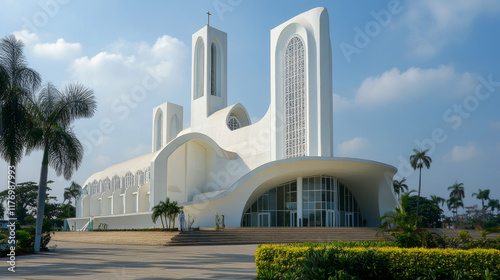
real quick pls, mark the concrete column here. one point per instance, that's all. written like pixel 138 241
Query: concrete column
pixel 299 202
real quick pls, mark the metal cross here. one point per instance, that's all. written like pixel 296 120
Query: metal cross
pixel 209 14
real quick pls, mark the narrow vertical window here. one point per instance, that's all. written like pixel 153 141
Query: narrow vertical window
pixel 198 69
pixel 213 70
pixel 294 99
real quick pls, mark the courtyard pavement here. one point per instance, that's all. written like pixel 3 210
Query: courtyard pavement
pixel 99 261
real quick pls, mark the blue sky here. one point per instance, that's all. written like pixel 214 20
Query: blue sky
pixel 406 74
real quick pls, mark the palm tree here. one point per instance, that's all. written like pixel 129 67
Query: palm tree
pixel 418 160
pixel 17 84
pixel 72 192
pixel 457 190
pixel 399 220
pixel 158 212
pixel 50 130
pixel 493 204
pixel 453 204
pixel 483 195
pixel 438 200
pixel 173 211
pixel 399 187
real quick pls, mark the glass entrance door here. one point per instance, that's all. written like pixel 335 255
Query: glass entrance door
pixel 330 218
pixel 293 218
pixel 264 220
pixel 349 219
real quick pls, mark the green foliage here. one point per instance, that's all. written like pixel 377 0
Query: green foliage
pixel 428 210
pixel 26 196
pixel 167 211
pixel 375 263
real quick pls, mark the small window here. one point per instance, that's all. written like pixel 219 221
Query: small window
pixel 233 123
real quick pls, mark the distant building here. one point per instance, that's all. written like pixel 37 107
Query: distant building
pixel 279 171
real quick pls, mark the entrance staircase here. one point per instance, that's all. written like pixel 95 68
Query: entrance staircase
pixel 233 236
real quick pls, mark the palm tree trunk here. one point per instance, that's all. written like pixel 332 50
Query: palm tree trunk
pixel 42 189
pixel 419 186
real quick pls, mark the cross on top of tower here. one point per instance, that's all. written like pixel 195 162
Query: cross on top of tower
pixel 208 14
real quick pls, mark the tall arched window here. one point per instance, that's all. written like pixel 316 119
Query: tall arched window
pixel 294 99
pixel 213 70
pixel 116 182
pixel 129 179
pixel 106 184
pixel 199 61
pixel 158 130
pixel 140 178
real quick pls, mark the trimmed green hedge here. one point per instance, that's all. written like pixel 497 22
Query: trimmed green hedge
pixel 381 262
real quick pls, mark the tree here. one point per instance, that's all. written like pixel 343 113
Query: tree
pixel 159 211
pixel 72 192
pixel 453 204
pixel 483 195
pixel 418 160
pixel 457 190
pixel 399 221
pixel 18 82
pixel 493 204
pixel 52 115
pixel 173 211
pixel 429 210
pixel 26 195
pixel 437 200
pixel 399 187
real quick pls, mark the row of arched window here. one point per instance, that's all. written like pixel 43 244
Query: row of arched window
pixel 116 182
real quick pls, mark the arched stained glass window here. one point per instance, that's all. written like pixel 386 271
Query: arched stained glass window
pixel 233 123
pixel 294 99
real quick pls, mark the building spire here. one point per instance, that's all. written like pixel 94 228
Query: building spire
pixel 208 14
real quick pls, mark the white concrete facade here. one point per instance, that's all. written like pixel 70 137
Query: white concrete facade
pixel 223 163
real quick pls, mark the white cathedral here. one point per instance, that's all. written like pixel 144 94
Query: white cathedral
pixel 277 172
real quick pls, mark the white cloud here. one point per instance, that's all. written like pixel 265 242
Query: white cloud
pixel 60 50
pixel 341 103
pixel 463 153
pixel 433 24
pixel 26 36
pixel 394 85
pixel 129 65
pixel 353 146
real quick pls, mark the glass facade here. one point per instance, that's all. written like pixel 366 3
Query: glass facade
pixel 294 99
pixel 325 203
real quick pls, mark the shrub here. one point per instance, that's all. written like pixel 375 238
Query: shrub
pixel 376 263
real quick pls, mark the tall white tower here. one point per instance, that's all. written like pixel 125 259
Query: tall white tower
pixel 301 87
pixel 209 74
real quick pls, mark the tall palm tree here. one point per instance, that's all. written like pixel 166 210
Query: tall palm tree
pixel 50 130
pixel 18 82
pixel 418 160
pixel 72 192
pixel 457 190
pixel 437 200
pixel 399 187
pixel 483 195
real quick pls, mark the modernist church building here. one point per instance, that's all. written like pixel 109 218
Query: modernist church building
pixel 277 172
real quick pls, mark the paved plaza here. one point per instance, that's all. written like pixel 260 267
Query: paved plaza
pixel 100 261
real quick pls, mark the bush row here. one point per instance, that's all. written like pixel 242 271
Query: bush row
pixel 281 261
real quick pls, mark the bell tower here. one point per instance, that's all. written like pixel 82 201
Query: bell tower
pixel 209 73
